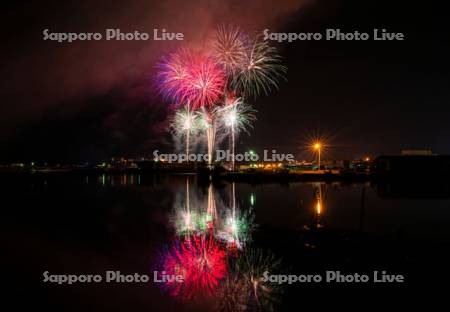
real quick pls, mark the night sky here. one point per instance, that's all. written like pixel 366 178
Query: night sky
pixel 92 100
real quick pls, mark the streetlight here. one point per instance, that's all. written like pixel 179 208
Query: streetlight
pixel 318 147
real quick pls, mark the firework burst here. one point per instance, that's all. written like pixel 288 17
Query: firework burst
pixel 184 120
pixel 229 49
pixel 214 83
pixel 244 288
pixel 200 261
pixel 184 123
pixel 174 75
pixel 260 70
pixel 235 116
pixel 192 79
pixel 206 82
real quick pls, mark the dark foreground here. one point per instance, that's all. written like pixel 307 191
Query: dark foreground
pixel 68 224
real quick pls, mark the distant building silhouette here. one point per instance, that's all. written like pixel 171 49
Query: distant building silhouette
pixel 413 164
pixel 417 152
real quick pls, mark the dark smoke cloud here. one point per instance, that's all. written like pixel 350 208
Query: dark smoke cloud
pixel 45 82
pixel 43 74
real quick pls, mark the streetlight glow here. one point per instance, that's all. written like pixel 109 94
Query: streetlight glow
pixel 318 146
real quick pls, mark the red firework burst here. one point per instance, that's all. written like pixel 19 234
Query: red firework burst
pixel 206 83
pixel 190 79
pixel 201 263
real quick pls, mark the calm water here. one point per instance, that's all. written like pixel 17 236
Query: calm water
pixel 221 237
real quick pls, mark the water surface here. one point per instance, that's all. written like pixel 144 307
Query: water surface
pixel 222 235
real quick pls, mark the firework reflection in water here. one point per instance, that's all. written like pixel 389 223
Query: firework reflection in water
pixel 228 222
pixel 244 288
pixel 195 254
pixel 200 261
pixel 212 236
pixel 237 224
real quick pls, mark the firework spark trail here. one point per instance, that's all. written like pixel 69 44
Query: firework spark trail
pixel 228 223
pixel 185 221
pixel 184 123
pixel 211 209
pixel 235 117
pixel 207 123
pixel 211 138
pixel 193 215
pixel 233 226
pixel 188 207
